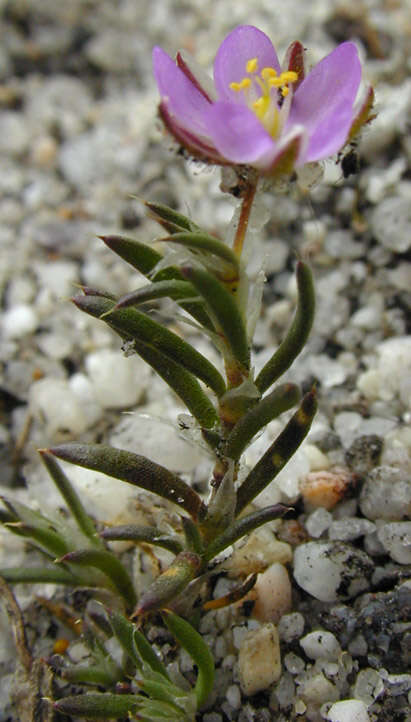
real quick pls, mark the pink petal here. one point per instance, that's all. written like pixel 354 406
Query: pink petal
pixel 242 44
pixel 237 133
pixel 323 103
pixel 196 145
pixel 183 99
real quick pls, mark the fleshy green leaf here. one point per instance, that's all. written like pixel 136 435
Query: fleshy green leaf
pixel 243 526
pixel 274 404
pixel 139 255
pixel 207 246
pixel 134 469
pixel 110 566
pixel 224 309
pixel 98 705
pixel 169 217
pixel 85 523
pixel 177 290
pixel 169 583
pixel 194 644
pixel 297 334
pixel 140 327
pixel 146 534
pixel 36 528
pixel 276 457
pixel 181 381
pixel 41 575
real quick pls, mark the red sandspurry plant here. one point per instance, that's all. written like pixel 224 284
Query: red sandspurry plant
pixel 261 119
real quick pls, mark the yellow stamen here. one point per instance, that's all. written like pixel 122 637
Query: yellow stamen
pixel 267 73
pixel 252 65
pixel 285 91
pixel 245 83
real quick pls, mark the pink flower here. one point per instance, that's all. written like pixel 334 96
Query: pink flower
pixel 257 113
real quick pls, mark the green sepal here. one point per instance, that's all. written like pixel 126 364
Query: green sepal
pixel 224 309
pixel 281 399
pixel 110 566
pixel 194 644
pixel 243 526
pixel 123 630
pixel 146 534
pixel 139 255
pixel 207 247
pixel 276 457
pixel 181 381
pixel 98 705
pixel 41 575
pixel 297 334
pixel 134 469
pixel 70 496
pixel 170 583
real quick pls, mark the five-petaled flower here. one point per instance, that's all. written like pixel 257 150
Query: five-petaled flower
pixel 257 113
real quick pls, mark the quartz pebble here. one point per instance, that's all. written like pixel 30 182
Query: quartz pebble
pixel 272 594
pixel 19 321
pixel 348 710
pixel 259 659
pixel 368 686
pixel 386 494
pixel 331 570
pixel 291 626
pixel 321 645
pixel 318 522
pixel 118 382
pixel 349 529
pixel 396 539
pixel 325 488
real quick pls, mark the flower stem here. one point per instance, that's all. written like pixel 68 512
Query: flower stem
pixel 248 198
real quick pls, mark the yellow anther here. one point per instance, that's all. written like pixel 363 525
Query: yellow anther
pixel 245 83
pixel 252 65
pixel 285 91
pixel 268 73
pixel 289 76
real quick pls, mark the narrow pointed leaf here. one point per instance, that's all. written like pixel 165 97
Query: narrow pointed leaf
pixel 163 692
pixel 177 290
pixel 134 469
pixel 36 528
pixel 243 526
pixel 170 583
pixel 181 381
pixel 276 457
pixel 297 334
pixel 98 705
pixel 140 327
pixel 139 255
pixel 146 534
pixel 34 575
pixel 92 674
pixel 281 399
pixel 224 309
pixel 206 245
pixel 70 496
pixel 124 632
pixel 193 538
pixel 194 644
pixel 163 214
pixel 148 654
pixel 233 596
pixel 110 566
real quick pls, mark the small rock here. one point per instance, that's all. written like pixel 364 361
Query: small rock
pixel 19 321
pixel 272 594
pixel 368 686
pixel 291 626
pixel 259 659
pixel 259 551
pixel 396 539
pixel 349 529
pixel 318 522
pixel 325 488
pixel 364 453
pixel 118 382
pixel 386 494
pixel 321 645
pixel 391 223
pixel 348 710
pixel 331 570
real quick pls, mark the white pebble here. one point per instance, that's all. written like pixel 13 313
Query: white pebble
pixel 318 522
pixel 396 540
pixel 386 494
pixel 348 710
pixel 19 321
pixel 368 686
pixel 273 594
pixel 391 223
pixel 349 529
pixel 321 645
pixel 233 696
pixel 320 568
pixel 118 382
pixel 58 408
pixel 259 660
pixel 291 626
